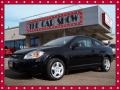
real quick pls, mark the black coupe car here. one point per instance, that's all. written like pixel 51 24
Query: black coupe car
pixel 58 56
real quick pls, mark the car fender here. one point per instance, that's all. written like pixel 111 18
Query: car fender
pixel 48 57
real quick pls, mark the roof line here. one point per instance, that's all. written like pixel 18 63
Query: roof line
pixel 12 28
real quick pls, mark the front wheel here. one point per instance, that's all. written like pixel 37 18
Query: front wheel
pixel 55 69
pixel 106 64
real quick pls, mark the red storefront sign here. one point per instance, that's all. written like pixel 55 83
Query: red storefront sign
pixel 58 21
pixel 106 20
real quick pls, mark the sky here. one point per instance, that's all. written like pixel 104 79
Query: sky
pixel 14 14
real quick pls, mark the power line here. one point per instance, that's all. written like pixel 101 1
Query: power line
pixel 48 12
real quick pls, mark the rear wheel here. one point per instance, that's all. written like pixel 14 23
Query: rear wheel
pixel 106 64
pixel 55 69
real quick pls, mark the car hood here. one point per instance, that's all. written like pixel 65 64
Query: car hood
pixel 42 48
pixel 25 50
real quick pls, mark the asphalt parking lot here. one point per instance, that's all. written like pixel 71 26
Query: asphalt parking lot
pixel 79 77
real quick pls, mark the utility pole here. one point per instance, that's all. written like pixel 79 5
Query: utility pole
pixel 13 39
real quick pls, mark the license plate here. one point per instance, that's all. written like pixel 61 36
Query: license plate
pixel 10 64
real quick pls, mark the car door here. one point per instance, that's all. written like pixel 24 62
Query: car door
pixel 81 55
pixel 98 51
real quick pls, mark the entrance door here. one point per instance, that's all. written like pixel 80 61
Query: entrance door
pixel 34 41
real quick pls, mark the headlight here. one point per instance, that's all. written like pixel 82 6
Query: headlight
pixel 33 55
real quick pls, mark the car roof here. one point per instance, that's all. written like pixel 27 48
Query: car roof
pixel 75 36
pixel 78 36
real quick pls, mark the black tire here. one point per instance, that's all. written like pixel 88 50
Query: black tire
pixel 52 62
pixel 106 64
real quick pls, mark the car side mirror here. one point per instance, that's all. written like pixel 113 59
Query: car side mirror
pixel 73 46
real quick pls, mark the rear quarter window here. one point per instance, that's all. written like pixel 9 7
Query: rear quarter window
pixel 96 43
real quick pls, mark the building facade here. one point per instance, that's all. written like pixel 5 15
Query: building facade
pixel 92 21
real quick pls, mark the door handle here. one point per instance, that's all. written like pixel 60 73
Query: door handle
pixel 102 51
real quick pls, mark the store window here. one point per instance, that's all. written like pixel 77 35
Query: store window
pixel 17 44
pixel 20 44
pixel 34 41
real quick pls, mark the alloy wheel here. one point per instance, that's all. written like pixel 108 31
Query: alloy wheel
pixel 57 69
pixel 107 64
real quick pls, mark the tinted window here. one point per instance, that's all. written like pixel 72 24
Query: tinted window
pixel 83 42
pixel 97 43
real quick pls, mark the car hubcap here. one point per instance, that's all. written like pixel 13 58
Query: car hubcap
pixel 107 64
pixel 57 69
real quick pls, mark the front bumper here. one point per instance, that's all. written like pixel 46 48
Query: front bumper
pixel 25 66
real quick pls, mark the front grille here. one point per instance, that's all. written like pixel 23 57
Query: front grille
pixel 17 56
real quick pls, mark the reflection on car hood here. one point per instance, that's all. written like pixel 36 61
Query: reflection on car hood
pixel 46 47
pixel 25 50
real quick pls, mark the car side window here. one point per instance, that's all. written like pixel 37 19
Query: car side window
pixel 83 42
pixel 97 43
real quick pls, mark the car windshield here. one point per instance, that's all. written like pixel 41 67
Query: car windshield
pixel 59 42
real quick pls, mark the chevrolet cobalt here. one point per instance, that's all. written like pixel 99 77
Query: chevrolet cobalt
pixel 61 55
